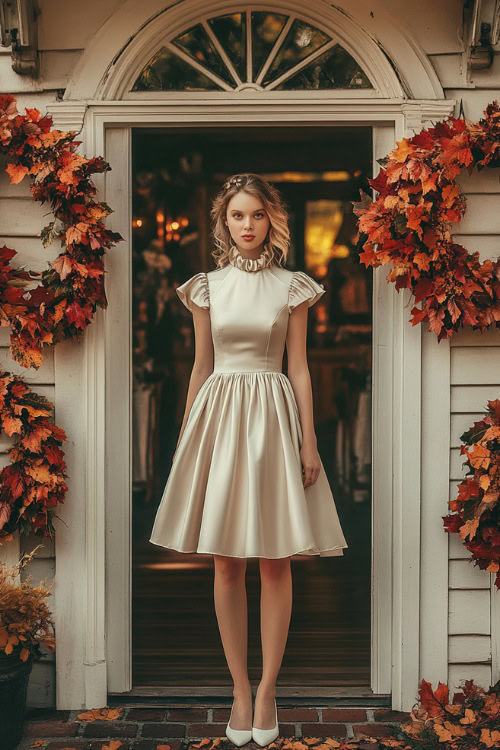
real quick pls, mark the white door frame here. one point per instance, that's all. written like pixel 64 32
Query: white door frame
pixel 94 655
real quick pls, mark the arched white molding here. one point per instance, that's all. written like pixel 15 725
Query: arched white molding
pixel 395 62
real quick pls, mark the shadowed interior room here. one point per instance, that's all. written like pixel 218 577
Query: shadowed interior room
pixel 176 174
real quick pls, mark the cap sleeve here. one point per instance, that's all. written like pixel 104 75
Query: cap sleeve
pixel 195 290
pixel 302 288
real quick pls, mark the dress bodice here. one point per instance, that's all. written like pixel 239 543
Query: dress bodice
pixel 249 312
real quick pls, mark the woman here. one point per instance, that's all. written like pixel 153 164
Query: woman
pixel 246 478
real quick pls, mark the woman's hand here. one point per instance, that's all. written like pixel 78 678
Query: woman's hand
pixel 311 464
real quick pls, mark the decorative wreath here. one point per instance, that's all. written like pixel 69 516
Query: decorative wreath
pixel 58 307
pixel 408 224
pixel 476 510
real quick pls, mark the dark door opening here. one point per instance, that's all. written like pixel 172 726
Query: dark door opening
pixel 176 173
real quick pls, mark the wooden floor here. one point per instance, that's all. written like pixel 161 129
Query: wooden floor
pixel 176 641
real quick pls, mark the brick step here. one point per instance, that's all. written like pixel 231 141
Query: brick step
pixel 145 728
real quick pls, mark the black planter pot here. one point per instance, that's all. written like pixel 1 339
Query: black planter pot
pixel 14 676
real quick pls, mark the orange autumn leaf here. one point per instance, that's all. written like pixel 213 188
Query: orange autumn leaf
pixel 484 481
pixel 52 137
pixel 450 193
pixel 403 150
pixel 490 738
pixel 16 172
pixel 490 497
pixel 41 473
pixel 63 265
pixel 76 233
pixel 11 424
pixel 100 713
pixel 469 528
pixel 444 734
pixel 112 745
pixel 480 457
pixel 492 433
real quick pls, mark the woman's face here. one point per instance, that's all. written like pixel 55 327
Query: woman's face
pixel 246 215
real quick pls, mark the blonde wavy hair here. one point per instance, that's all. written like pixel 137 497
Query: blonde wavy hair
pixel 278 235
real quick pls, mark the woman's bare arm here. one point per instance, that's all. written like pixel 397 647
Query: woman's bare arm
pixel 203 358
pixel 300 378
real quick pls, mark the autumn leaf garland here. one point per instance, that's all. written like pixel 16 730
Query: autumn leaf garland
pixel 476 511
pixel 409 224
pixel 33 484
pixel 59 304
pixel 72 288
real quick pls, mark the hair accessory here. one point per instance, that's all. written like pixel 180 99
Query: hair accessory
pixel 235 181
pixel 264 260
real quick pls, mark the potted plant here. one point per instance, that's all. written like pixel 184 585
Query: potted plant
pixel 25 625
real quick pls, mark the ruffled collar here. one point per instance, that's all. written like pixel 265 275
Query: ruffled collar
pixel 264 260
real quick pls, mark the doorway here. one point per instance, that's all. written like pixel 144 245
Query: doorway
pixel 175 174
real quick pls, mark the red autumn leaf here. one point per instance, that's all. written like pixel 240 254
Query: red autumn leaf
pixel 433 701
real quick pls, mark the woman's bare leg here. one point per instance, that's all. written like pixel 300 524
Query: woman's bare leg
pixel 230 598
pixel 275 613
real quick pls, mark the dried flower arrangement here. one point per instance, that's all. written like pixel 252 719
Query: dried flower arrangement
pixel 25 619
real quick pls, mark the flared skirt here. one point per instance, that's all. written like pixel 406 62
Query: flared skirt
pixel 235 486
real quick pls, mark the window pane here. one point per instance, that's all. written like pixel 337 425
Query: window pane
pixel 198 44
pixel 167 72
pixel 335 69
pixel 266 28
pixel 231 33
pixel 301 40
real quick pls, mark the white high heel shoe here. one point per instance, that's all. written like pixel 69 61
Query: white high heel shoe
pixel 237 736
pixel 264 736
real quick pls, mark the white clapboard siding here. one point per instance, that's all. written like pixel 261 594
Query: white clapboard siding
pixel 478 671
pixel 469 611
pixel 463 574
pixel 457 550
pixel 472 397
pixel 21 220
pixel 465 649
pixel 475 100
pixel 475 364
pixel 474 379
pixel 23 216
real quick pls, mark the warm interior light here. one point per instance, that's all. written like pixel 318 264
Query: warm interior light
pixel 333 176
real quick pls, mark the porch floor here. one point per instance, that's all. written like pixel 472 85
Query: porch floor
pixel 139 728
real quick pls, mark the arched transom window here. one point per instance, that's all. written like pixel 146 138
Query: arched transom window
pixel 254 49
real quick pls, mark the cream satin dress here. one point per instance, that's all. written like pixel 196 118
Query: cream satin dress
pixel 235 486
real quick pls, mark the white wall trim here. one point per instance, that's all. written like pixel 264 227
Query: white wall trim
pixel 105 500
pixel 435 472
pixel 495 631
